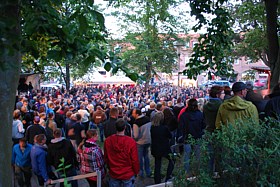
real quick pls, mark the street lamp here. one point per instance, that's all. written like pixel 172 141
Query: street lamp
pixel 178 45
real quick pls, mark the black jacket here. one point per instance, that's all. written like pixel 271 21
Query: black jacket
pixel 61 148
pixel 60 120
pixel 32 131
pixel 160 141
pixel 110 127
pixel 191 122
pixel 272 108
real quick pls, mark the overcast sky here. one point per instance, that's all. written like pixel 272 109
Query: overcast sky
pixel 112 23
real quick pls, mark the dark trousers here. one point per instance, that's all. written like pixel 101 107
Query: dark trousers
pixel 69 173
pixel 101 131
pixel 86 126
pixel 157 175
pixel 23 175
pixel 92 183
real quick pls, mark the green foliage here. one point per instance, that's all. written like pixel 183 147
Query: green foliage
pixel 214 51
pixel 9 39
pixel 245 155
pixel 250 20
pixel 62 167
pixel 62 34
pixel 150 32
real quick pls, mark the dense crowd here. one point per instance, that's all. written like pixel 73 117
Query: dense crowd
pixel 132 123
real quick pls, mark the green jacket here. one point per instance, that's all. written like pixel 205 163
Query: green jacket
pixel 236 108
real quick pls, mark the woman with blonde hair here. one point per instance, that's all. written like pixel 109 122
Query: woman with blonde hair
pixel 17 130
pixel 160 146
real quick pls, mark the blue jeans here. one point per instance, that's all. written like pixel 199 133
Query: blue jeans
pixel 143 156
pixel 101 131
pixel 92 125
pixel 122 183
pixel 187 155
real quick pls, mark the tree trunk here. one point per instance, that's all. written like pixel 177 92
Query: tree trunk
pixel 9 77
pixel 148 75
pixel 273 43
pixel 67 82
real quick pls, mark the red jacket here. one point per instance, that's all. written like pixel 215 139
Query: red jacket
pixel 121 157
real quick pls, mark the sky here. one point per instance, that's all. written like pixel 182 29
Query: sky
pixel 112 25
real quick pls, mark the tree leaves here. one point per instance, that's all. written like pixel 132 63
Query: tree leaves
pixel 213 53
pixel 63 31
pixel 107 66
pixel 83 25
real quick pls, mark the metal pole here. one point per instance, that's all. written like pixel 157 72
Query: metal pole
pixel 178 90
pixel 99 182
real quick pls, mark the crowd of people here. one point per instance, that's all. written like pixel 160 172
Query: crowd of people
pixel 59 128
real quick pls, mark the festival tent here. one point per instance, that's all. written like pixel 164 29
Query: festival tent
pixel 97 78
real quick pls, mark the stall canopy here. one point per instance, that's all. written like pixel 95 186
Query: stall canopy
pixel 97 78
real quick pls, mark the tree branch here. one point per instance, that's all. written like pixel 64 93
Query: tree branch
pixel 61 71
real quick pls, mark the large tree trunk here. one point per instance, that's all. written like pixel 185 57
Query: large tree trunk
pixel 273 43
pixel 9 76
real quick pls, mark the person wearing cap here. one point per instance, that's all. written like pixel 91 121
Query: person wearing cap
pixel 121 157
pixel 237 108
pixel 34 130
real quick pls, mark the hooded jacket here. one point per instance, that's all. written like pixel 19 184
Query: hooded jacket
pixel 61 148
pixel 121 156
pixel 142 130
pixel 191 122
pixel 210 111
pixel 38 156
pixel 236 108
pixel 99 116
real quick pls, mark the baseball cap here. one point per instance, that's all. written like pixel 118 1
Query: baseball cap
pixel 238 86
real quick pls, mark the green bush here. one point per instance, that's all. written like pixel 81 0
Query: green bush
pixel 245 155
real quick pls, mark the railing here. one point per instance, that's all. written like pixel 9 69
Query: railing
pixel 77 177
